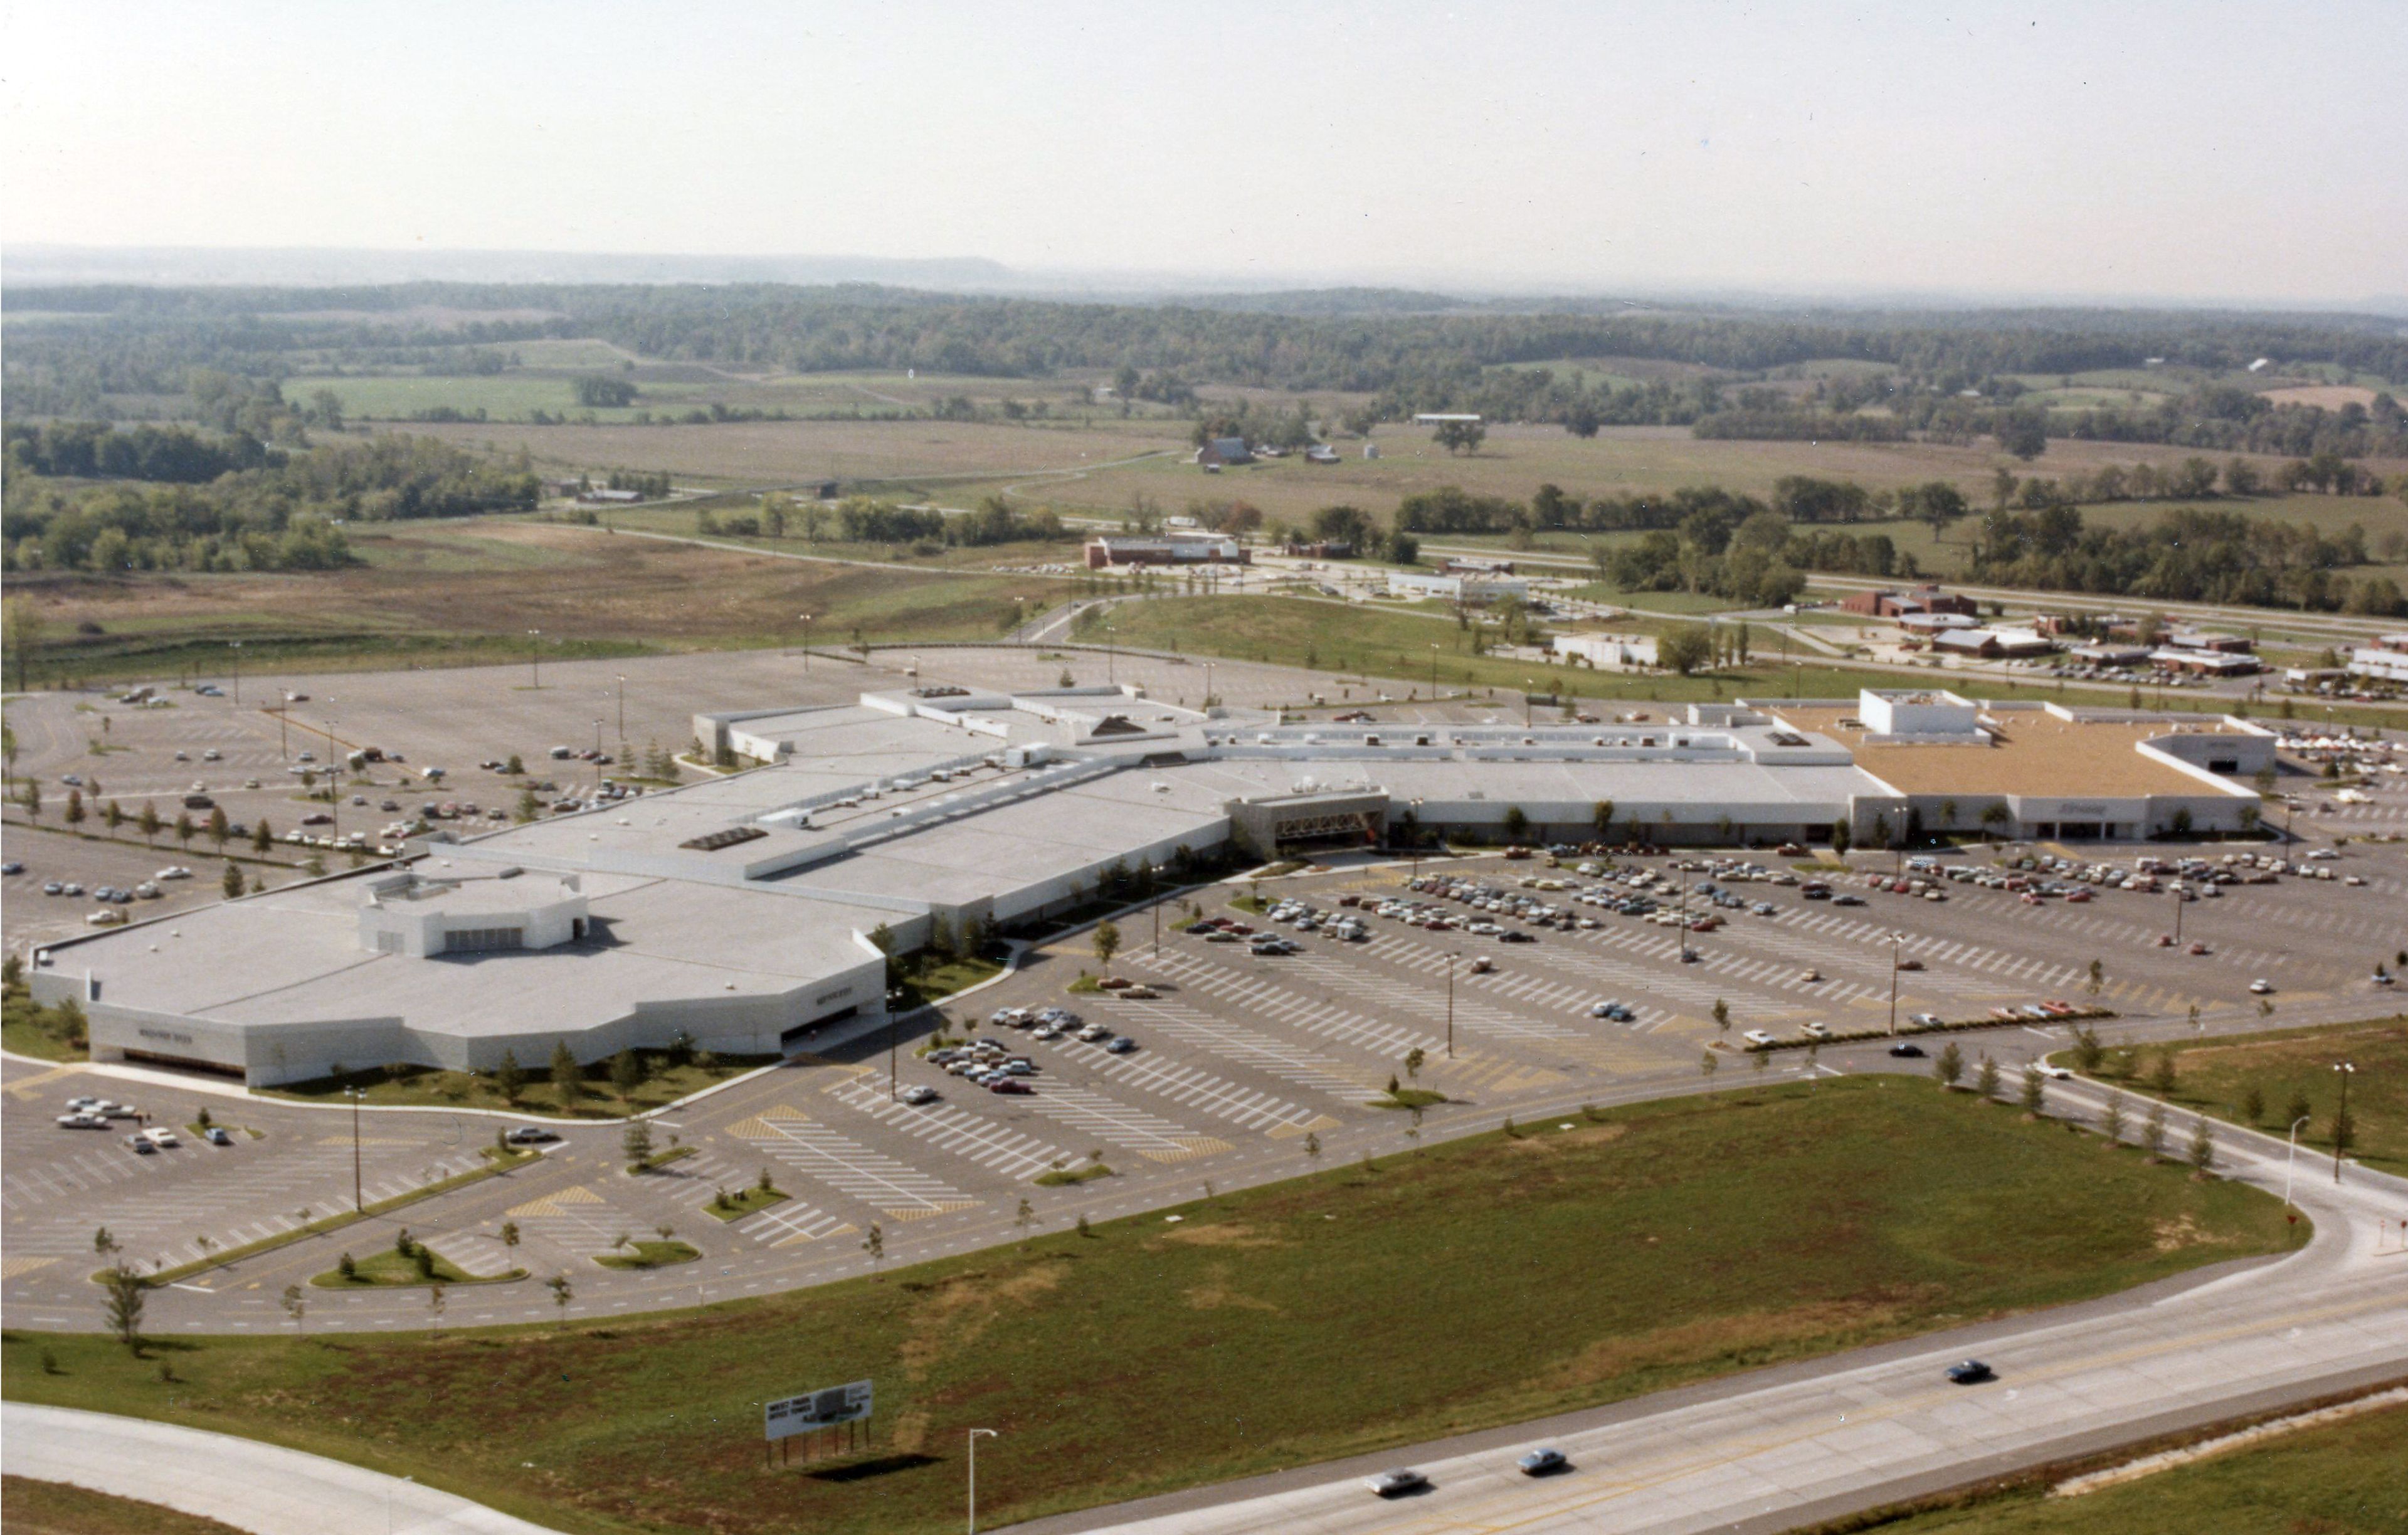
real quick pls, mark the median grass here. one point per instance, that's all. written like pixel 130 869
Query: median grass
pixel 1480 1282
pixel 33 1507
pixel 734 1207
pixel 650 1255
pixel 390 1270
pixel 2338 1479
pixel 2216 1075
pixel 665 1080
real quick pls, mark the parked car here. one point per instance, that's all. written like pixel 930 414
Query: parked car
pixel 1757 1037
pixel 533 1135
pixel 920 1093
pixel 82 1120
pixel 217 1135
pixel 1907 1051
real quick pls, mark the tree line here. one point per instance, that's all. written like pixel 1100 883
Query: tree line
pixel 280 516
pixel 2186 554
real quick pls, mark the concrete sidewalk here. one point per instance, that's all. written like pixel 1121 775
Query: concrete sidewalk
pixel 259 1488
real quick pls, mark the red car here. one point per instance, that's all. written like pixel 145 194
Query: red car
pixel 1010 1087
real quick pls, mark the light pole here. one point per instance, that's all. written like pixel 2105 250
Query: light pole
pixel 235 646
pixel 806 643
pixel 1433 672
pixel 2178 906
pixel 1895 940
pixel 1207 689
pixel 1527 686
pixel 334 784
pixel 534 657
pixel 974 1438
pixel 1112 673
pixel 1451 956
pixel 2291 1159
pixel 354 1094
pixel 622 707
pixel 2341 1120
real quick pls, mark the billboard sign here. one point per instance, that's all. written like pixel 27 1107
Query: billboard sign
pixel 815 1410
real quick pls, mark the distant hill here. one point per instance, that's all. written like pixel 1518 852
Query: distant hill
pixel 57 265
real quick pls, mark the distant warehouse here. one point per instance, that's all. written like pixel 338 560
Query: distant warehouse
pixel 1171 549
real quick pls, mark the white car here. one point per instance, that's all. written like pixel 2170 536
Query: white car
pixel 1757 1037
pixel 920 1093
pixel 2261 988
pixel 2055 1073
pixel 159 1135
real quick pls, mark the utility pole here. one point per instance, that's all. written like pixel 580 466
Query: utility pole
pixel 806 643
pixel 1895 940
pixel 623 705
pixel 235 646
pixel 974 1438
pixel 358 1207
pixel 534 657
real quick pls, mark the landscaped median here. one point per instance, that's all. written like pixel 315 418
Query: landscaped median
pixel 498 1162
pixel 1473 1283
pixel 1858 1036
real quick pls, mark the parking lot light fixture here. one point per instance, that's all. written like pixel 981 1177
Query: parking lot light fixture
pixel 2341 1119
pixel 2291 1159
pixel 534 657
pixel 359 1206
pixel 973 1441
pixel 1895 940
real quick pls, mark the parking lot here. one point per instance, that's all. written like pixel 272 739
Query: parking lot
pixel 1240 1067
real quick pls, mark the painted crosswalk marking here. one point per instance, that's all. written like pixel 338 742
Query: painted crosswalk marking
pixel 903 1192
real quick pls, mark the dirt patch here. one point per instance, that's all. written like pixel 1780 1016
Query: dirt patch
pixel 1226 1234
pixel 2174 1235
pixel 1544 1138
pixel 950 1317
pixel 1216 1293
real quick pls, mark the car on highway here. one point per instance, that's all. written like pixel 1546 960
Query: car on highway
pixel 1907 1051
pixel 532 1135
pixel 1397 1483
pixel 1970 1372
pixel 1543 1463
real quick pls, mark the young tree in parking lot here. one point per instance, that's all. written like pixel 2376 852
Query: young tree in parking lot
pixel 220 828
pixel 1840 838
pixel 1708 1063
pixel 566 1078
pixel 2163 1078
pixel 1413 1059
pixel 562 1294
pixel 147 821
pixel 2111 1122
pixel 263 840
pixel 1722 1016
pixel 30 797
pixel 1026 1218
pixel 102 1242
pixel 2087 1051
pixel 230 883
pixel 1312 1147
pixel 510 1236
pixel 2035 1089
pixel 114 815
pixel 1986 1078
pixel 511 1078
pixel 74 812
pixel 295 1306
pixel 1950 1067
pixel 2098 976
pixel 1600 818
pixel 1108 944
pixel 875 1246
pixel 2298 1108
pixel 2203 1146
pixel 122 1293
pixel 529 807
pixel 2252 1104
pixel 185 830
pixel 435 1303
pixel 637 1144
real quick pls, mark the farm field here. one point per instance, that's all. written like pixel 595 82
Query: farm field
pixel 764 454
pixel 1517 460
pixel 398 397
pixel 591 594
pixel 1255 1330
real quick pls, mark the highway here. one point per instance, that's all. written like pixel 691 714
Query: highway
pixel 1779 1448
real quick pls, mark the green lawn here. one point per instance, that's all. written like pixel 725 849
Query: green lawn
pixel 51 1034
pixel 1472 1283
pixel 2338 1479
pixel 2215 1075
pixel 741 1204
pixel 32 1507
pixel 387 1270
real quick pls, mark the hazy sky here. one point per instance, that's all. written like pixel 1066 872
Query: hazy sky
pixel 2178 151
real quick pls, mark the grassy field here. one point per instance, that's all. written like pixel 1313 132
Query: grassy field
pixel 1347 641
pixel 1445 1289
pixel 2337 1479
pixel 508 397
pixel 31 1507
pixel 600 595
pixel 2215 1075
